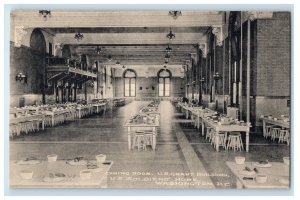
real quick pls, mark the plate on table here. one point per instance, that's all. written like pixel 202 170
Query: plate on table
pixel 94 166
pixel 77 163
pixel 55 177
pixel 107 162
pixel 247 173
pixel 262 164
pixel 29 161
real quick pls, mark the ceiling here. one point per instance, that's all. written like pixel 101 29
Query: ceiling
pixel 128 37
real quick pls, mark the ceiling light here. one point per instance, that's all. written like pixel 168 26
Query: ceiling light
pixel 175 13
pixel 109 58
pixel 170 35
pixel 168 49
pixel 98 50
pixel 78 36
pixel 45 14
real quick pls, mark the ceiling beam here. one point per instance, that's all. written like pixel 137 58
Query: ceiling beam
pixel 92 18
pixel 130 38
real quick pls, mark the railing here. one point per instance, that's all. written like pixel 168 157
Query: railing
pixel 67 62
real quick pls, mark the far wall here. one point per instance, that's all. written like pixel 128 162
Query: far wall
pixel 144 87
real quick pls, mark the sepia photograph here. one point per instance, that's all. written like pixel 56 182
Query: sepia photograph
pixel 150 99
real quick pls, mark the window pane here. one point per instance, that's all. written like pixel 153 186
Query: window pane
pixel 167 80
pixel 126 93
pixel 167 86
pixel 126 87
pixel 160 93
pixel 167 93
pixel 132 87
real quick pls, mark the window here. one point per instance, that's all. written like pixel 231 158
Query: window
pixel 129 83
pixel 164 81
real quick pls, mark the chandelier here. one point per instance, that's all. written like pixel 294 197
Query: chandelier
pixel 170 35
pixel 109 58
pixel 167 56
pixel 45 14
pixel 168 49
pixel 78 36
pixel 175 13
pixel 98 50
pixel 217 76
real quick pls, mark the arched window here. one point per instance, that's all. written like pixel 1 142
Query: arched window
pixel 129 83
pixel 164 83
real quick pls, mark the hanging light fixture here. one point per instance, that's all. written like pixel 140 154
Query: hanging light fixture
pixel 78 36
pixel 175 13
pixel 171 35
pixel 167 57
pixel 168 49
pixel 217 76
pixel 98 50
pixel 45 14
pixel 109 58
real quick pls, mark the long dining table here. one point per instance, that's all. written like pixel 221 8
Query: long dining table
pixel 218 127
pixel 142 126
pixel 58 112
pixel 98 107
pixel 28 117
pixel 278 175
pixel 285 123
pixel 68 176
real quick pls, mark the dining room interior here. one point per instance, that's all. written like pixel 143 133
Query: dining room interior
pixel 150 99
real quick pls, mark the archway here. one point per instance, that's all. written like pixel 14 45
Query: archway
pixel 38 48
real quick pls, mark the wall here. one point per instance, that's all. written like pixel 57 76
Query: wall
pixel 274 55
pixel 273 65
pixel 26 61
pixel 177 87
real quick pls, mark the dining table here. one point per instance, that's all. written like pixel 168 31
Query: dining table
pixel 278 175
pixel 28 117
pixel 232 127
pixel 281 121
pixel 98 107
pixel 153 126
pixel 58 174
pixel 57 112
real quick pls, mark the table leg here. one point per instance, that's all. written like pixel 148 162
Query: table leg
pixel 247 141
pixel 79 113
pixel 53 120
pixel 264 128
pixel 129 137
pixel 154 138
pixel 202 128
pixel 217 140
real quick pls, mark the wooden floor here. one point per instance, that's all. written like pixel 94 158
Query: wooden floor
pixel 183 159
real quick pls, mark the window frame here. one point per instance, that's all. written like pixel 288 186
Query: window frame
pixel 164 78
pixel 130 81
